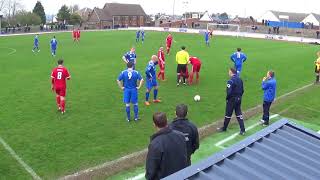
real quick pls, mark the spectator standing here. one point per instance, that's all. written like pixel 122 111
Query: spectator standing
pixel 269 85
pixel 189 130
pixel 167 151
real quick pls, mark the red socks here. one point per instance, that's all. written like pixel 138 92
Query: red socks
pixel 63 104
pixel 58 101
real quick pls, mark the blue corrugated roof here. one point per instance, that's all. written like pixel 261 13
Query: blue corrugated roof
pixel 283 150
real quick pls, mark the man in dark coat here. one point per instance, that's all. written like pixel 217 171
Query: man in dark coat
pixel 167 152
pixel 189 130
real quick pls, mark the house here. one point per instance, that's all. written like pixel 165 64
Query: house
pixel 283 150
pixel 84 13
pixel 312 19
pixel 283 19
pixel 114 15
pixel 279 16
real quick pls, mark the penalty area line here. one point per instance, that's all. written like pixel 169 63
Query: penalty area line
pixel 20 161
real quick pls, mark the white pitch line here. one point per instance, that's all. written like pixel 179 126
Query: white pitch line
pixel 21 162
pixel 319 132
pixel 138 177
pixel 12 50
pixel 220 143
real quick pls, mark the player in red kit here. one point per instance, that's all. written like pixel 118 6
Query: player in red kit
pixel 196 66
pixel 161 61
pixel 169 42
pixel 74 35
pixel 59 76
pixel 78 34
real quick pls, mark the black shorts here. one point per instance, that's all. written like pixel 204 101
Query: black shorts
pixel 181 68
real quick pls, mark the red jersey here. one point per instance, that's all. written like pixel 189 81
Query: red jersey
pixel 195 61
pixel 161 57
pixel 74 33
pixel 59 75
pixel 169 39
pixel 78 34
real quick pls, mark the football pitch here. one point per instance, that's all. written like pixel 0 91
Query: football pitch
pixel 94 129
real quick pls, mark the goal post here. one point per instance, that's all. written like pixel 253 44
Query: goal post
pixel 224 27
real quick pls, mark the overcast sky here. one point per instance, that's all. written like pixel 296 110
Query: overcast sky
pixel 235 7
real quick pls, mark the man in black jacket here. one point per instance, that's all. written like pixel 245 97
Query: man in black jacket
pixel 234 96
pixel 189 130
pixel 167 152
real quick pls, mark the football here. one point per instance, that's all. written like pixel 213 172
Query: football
pixel 196 98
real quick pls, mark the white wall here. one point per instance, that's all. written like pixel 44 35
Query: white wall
pixel 311 19
pixel 268 16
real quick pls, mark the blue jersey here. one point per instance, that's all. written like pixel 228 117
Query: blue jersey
pixel 142 34
pixel 53 43
pixel 269 89
pixel 238 58
pixel 151 70
pixel 129 78
pixel 138 34
pixel 36 41
pixel 206 35
pixel 130 57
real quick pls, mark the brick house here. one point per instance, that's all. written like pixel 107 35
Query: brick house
pixel 114 15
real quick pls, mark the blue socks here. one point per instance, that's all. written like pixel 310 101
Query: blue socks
pixel 147 96
pixel 136 110
pixel 155 94
pixel 128 112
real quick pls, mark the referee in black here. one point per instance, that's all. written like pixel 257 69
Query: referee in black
pixel 234 96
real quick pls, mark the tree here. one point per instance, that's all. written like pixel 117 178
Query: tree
pixel 75 19
pixel 29 18
pixel 224 16
pixel 74 8
pixel 64 13
pixel 39 10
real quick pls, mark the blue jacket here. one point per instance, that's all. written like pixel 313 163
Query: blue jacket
pixel 269 89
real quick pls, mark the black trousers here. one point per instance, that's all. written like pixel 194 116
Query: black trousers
pixel 234 104
pixel 266 114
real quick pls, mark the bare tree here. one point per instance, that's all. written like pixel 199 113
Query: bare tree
pixel 74 8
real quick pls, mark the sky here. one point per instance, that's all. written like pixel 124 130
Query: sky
pixel 243 8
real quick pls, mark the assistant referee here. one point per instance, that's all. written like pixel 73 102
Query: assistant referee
pixel 182 59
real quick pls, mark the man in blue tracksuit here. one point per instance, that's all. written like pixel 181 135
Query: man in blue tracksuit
pixel 269 86
pixel 238 58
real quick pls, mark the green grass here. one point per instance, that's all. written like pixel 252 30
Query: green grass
pixel 94 129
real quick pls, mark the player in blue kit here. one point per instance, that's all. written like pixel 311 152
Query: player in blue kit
pixel 36 44
pixel 151 80
pixel 142 36
pixel 127 82
pixel 130 57
pixel 238 58
pixel 206 38
pixel 138 36
pixel 53 44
